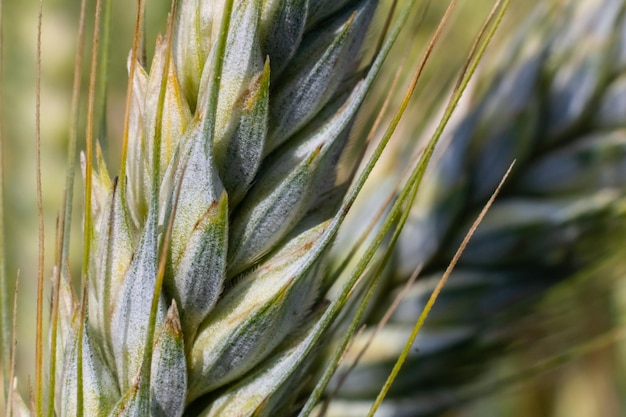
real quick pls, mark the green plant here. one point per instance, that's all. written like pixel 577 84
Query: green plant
pixel 206 287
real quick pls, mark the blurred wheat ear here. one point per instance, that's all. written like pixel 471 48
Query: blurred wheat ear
pixel 204 287
pixel 550 98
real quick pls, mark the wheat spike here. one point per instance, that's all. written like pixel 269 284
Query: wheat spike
pixel 229 182
pixel 552 100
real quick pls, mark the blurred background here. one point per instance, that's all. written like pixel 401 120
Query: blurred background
pixel 567 357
